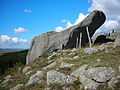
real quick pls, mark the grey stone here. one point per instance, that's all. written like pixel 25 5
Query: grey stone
pixel 89 83
pixel 29 72
pixel 101 74
pixel 73 50
pixel 90 50
pixel 36 78
pixel 50 66
pixel 109 51
pixel 99 60
pixel 48 88
pixel 101 38
pixel 17 87
pixel 112 83
pixel 66 65
pixel 26 69
pixel 94 77
pixel 6 80
pixel 119 68
pixel 80 71
pixel 115 34
pixel 103 47
pixel 57 78
pixel 75 57
pixel 53 41
pixel 117 42
pixel 53 54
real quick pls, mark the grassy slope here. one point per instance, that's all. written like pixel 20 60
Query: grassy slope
pixel 108 60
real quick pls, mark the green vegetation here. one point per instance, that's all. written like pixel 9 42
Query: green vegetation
pixel 11 59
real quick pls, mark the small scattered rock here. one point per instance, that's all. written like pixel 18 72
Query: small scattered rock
pixel 6 80
pixel 90 50
pixel 37 78
pixel 117 42
pixel 26 69
pixel 29 72
pixel 57 78
pixel 19 69
pixel 79 71
pixel 17 87
pixel 109 51
pixel 75 57
pixel 53 54
pixel 73 50
pixel 103 47
pixel 119 68
pixel 64 65
pixel 48 88
pixel 99 60
pixel 50 66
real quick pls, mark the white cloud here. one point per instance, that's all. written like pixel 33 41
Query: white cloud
pixel 80 18
pixel 4 38
pixel 15 39
pixel 110 7
pixel 108 26
pixel 13 42
pixel 20 30
pixel 68 24
pixel 58 29
pixel 28 11
pixel 63 21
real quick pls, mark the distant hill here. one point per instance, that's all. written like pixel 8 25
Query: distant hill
pixel 9 57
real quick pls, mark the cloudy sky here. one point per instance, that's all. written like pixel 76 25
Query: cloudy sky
pixel 21 20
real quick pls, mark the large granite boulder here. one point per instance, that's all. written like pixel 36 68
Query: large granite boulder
pixel 100 39
pixel 94 78
pixel 52 41
pixel 115 33
pixel 56 78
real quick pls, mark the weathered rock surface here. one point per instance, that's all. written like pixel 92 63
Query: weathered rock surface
pixel 6 80
pixel 57 78
pixel 52 41
pixel 116 33
pixel 90 50
pixel 94 77
pixel 50 66
pixel 117 42
pixel 17 87
pixel 103 47
pixel 66 65
pixel 26 69
pixel 37 78
pixel 100 38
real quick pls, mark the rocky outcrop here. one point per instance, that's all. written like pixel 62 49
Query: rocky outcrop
pixel 17 87
pixel 7 80
pixel 115 34
pixel 26 69
pixel 94 78
pixel 90 50
pixel 117 42
pixel 52 41
pixel 100 39
pixel 36 78
pixel 57 78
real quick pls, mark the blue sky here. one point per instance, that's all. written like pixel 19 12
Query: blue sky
pixel 21 20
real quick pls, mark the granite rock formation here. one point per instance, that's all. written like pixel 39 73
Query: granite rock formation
pixel 52 41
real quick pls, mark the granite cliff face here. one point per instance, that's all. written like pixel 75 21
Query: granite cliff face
pixel 52 41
